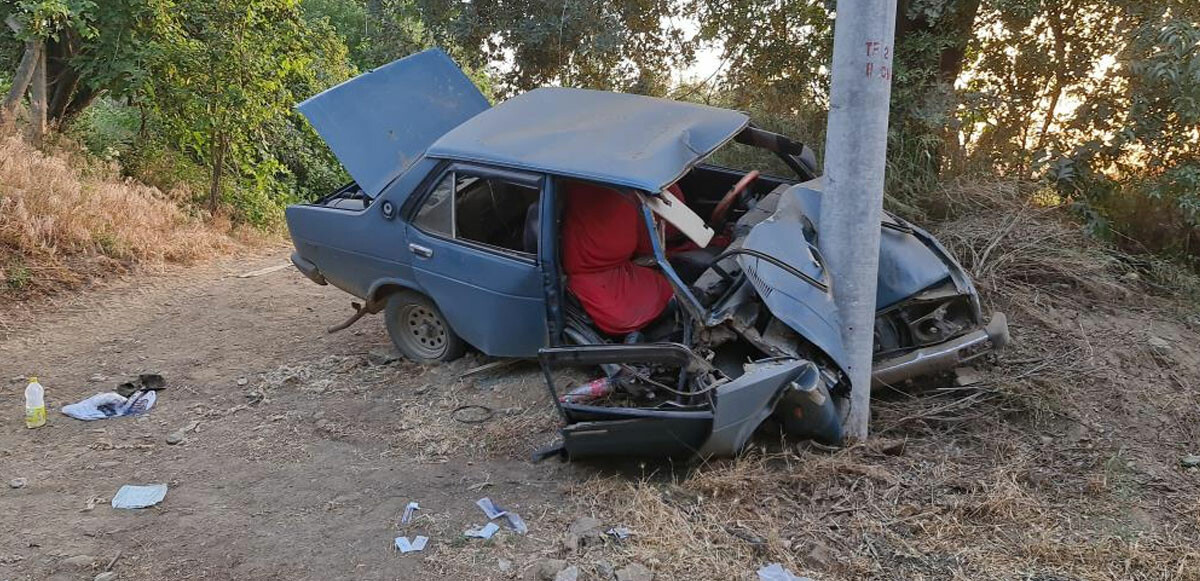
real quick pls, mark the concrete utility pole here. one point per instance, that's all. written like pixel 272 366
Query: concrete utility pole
pixel 852 206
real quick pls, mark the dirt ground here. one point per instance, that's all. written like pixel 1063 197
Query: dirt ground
pixel 1060 462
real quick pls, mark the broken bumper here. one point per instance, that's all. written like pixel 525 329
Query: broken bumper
pixel 943 356
pixel 308 268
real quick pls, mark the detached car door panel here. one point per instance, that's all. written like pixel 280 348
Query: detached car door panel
pixel 471 256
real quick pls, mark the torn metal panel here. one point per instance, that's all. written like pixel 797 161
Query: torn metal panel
pixel 742 404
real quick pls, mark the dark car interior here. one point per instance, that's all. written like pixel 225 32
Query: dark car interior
pixel 494 212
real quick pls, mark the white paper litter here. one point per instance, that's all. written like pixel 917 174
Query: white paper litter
pixel 776 572
pixel 408 512
pixel 484 532
pixel 491 510
pixel 131 496
pixel 417 544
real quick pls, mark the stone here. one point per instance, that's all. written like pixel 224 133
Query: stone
pixel 105 576
pixel 569 574
pixel 79 561
pixel 1190 461
pixel 583 532
pixel 504 565
pixel 382 356
pixel 175 437
pixel 1158 345
pixel 635 572
pixel 821 556
pixel 964 376
pixel 242 381
pixel 18 483
pixel 547 569
pixel 605 570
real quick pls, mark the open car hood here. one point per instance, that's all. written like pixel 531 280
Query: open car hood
pixel 380 122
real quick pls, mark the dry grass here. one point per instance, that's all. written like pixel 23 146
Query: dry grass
pixel 62 224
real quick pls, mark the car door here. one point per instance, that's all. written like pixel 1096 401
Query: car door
pixel 474 247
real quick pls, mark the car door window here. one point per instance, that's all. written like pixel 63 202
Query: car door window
pixel 493 212
pixel 436 215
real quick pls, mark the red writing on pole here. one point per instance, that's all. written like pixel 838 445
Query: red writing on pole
pixel 879 60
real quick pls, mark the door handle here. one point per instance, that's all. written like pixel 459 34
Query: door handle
pixel 421 251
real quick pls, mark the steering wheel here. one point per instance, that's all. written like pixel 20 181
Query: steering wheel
pixel 717 220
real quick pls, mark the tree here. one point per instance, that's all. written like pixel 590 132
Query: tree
pixel 38 22
pixel 223 79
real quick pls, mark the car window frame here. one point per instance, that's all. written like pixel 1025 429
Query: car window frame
pixel 519 178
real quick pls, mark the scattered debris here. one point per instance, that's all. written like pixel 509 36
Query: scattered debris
pixel 516 523
pixel 477 414
pixel 569 574
pixel 513 520
pixel 92 501
pixel 262 271
pixel 489 508
pixel 484 532
pixel 619 533
pixel 776 572
pixel 489 366
pixel 417 544
pixel 408 512
pixel 583 532
pixel 1190 461
pixel 18 483
pixel 111 405
pixel 131 496
pixel 635 572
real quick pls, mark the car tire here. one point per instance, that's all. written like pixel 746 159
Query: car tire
pixel 418 329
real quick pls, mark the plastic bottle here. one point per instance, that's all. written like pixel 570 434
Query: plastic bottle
pixel 592 390
pixel 35 404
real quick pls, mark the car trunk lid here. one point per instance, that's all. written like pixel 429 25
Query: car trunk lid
pixel 379 123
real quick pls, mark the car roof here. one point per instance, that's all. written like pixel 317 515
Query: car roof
pixel 635 141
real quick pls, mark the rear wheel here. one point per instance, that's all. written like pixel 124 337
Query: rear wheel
pixel 419 330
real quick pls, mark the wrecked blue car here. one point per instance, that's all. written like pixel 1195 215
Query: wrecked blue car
pixel 587 229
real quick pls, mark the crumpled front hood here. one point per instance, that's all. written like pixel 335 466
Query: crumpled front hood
pixel 910 260
pixel 379 123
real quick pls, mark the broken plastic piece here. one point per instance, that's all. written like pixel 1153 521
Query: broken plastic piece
pixel 776 572
pixel 484 532
pixel 131 496
pixel 408 512
pixel 491 510
pixel 417 544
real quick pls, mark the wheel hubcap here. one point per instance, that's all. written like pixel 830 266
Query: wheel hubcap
pixel 426 330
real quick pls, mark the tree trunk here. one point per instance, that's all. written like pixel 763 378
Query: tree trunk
pixel 37 98
pixel 1060 57
pixel 21 81
pixel 63 81
pixel 214 189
